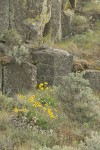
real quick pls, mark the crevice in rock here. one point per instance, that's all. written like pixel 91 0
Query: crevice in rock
pixel 9 27
pixel 72 2
pixel 2 84
pixel 46 29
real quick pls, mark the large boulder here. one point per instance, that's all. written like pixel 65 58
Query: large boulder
pixel 18 78
pixel 52 65
pixel 94 78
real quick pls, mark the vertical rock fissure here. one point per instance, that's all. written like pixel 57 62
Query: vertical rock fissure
pixel 9 27
pixel 2 84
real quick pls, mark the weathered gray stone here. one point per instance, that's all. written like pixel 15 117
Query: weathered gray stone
pixel 94 78
pixel 0 78
pixel 38 14
pixel 29 17
pixel 17 13
pixel 67 17
pixel 52 64
pixel 18 78
pixel 55 21
pixel 4 16
pixel 33 19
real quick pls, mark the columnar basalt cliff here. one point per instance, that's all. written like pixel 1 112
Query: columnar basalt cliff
pixel 23 25
pixel 45 64
pixel 32 18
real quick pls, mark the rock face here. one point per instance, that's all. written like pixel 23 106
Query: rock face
pixel 55 21
pixel 0 77
pixel 28 17
pixel 4 16
pixel 18 78
pixel 52 65
pixel 45 65
pixel 33 19
pixel 94 78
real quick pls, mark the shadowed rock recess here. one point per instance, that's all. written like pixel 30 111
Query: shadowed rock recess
pixel 25 59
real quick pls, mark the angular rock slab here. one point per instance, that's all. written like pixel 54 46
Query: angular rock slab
pixel 94 78
pixel 52 64
pixel 19 78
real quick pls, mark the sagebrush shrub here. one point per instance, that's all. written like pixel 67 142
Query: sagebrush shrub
pixel 77 96
pixel 57 148
pixel 92 143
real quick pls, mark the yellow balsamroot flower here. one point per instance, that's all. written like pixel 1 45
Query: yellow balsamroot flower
pixel 41 86
pixel 31 100
pixel 44 108
pixel 52 116
pixel 21 96
pixel 50 113
pixel 34 105
pixel 46 83
pixel 24 110
pixel 37 104
pixel 16 110
pixel 32 97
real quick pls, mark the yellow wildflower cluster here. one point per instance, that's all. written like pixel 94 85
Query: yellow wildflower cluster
pixel 20 110
pixel 43 86
pixel 31 99
pixel 37 104
pixel 51 113
pixel 44 107
pixel 21 96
